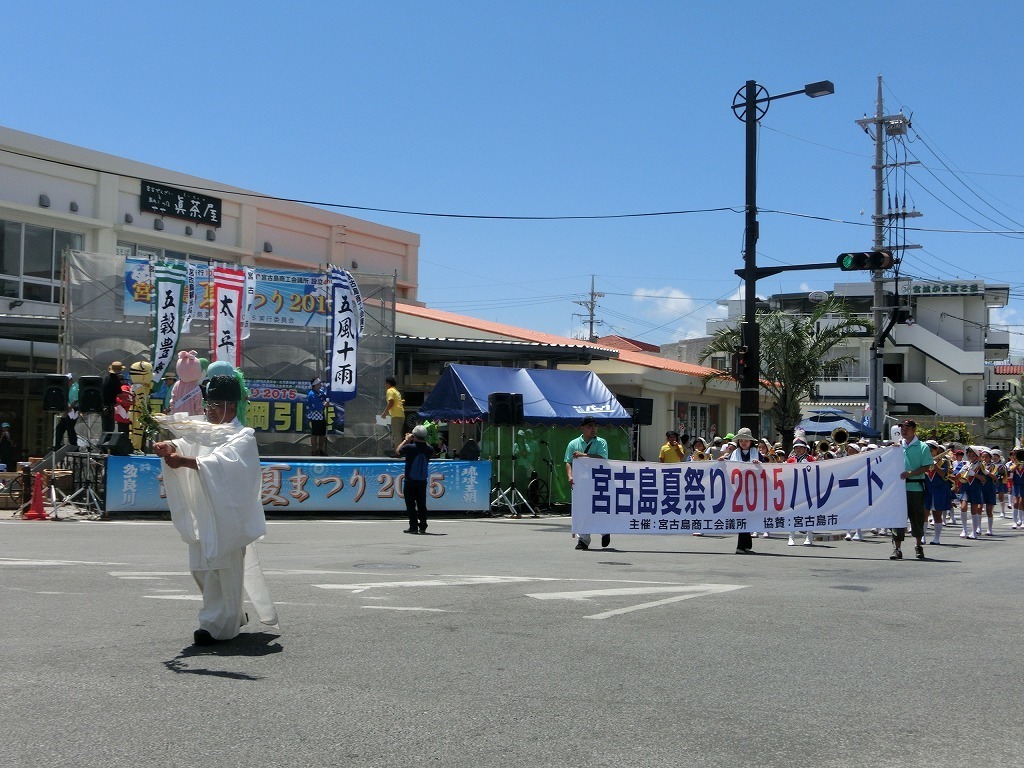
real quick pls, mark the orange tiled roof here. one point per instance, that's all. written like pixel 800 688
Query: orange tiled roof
pixel 621 342
pixel 1009 370
pixel 628 356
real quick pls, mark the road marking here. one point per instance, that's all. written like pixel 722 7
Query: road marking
pixel 699 590
pixel 453 581
pixel 173 597
pixel 20 561
pixel 400 608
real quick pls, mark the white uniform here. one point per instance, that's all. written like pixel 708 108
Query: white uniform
pixel 219 514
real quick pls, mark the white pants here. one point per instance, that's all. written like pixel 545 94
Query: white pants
pixel 224 590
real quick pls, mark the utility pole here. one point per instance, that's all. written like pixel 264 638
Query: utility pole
pixel 881 126
pixel 591 305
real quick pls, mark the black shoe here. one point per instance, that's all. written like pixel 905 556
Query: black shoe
pixel 410 530
pixel 202 637
pixel 741 551
pixel 919 551
pixel 606 539
pixel 423 530
pixel 581 544
pixel 897 554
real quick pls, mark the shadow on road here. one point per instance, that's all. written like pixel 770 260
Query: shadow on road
pixel 251 644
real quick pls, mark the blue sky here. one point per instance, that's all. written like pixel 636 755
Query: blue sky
pixel 561 109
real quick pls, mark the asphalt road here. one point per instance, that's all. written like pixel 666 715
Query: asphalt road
pixel 495 643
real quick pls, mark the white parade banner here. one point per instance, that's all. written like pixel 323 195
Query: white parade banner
pixel 862 491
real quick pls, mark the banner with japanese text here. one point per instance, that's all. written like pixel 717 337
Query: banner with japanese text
pixel 169 285
pixel 862 491
pixel 226 320
pixel 134 484
pixel 345 325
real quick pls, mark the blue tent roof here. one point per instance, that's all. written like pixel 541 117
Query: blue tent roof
pixel 549 396
pixel 823 425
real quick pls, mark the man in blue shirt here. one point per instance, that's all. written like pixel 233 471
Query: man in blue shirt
pixel 588 444
pixel 417 453
pixel 917 458
pixel 317 416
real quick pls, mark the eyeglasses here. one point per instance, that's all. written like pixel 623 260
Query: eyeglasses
pixel 217 404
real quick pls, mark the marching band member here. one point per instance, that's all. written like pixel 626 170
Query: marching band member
pixel 1016 472
pixel 938 496
pixel 988 488
pixel 800 455
pixel 1001 478
pixel 970 482
pixel 700 450
pixel 959 492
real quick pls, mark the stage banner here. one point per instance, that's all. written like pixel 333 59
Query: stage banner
pixel 279 296
pixel 862 491
pixel 226 323
pixel 134 484
pixel 345 325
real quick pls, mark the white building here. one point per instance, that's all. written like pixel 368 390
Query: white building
pixel 936 361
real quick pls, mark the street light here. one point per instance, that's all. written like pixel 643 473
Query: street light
pixel 749 105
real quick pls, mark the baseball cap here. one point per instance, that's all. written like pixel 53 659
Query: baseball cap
pixel 909 423
pixel 419 431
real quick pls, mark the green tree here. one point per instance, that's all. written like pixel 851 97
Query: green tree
pixel 1011 410
pixel 796 350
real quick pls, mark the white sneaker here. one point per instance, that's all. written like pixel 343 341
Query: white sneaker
pixel 848 537
pixel 874 531
pixel 809 541
pixel 1014 526
pixel 935 542
pixel 856 537
pixel 989 533
pixel 766 535
pixel 963 535
pixel 972 536
pixel 792 543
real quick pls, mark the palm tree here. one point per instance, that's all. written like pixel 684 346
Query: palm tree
pixel 796 350
pixel 1011 411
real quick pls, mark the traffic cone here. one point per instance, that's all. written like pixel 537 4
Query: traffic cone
pixel 36 511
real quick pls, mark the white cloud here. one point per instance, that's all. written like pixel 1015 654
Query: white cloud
pixel 682 316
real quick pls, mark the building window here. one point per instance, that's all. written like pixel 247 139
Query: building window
pixel 30 260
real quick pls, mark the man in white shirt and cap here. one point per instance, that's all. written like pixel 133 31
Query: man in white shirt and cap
pixel 213 480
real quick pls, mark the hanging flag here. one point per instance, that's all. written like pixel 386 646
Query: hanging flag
pixel 226 315
pixel 169 293
pixel 250 300
pixel 191 291
pixel 345 325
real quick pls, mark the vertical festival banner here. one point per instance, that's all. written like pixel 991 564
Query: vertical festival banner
pixel 226 315
pixel 169 293
pixel 345 325
pixel 191 286
pixel 250 300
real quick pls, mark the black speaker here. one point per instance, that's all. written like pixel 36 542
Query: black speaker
pixel 505 408
pixel 643 411
pixel 116 443
pixel 55 392
pixel 90 399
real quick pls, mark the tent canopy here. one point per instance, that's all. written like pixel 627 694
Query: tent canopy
pixel 824 424
pixel 549 396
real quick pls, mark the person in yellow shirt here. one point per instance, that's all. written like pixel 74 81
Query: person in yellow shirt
pixel 394 407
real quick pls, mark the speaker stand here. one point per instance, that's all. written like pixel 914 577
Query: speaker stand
pixel 90 501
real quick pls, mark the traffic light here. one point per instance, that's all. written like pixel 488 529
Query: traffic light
pixel 870 260
pixel 739 362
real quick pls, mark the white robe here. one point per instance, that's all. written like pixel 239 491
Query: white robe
pixel 219 514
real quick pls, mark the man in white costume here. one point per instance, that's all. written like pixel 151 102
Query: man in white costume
pixel 212 476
